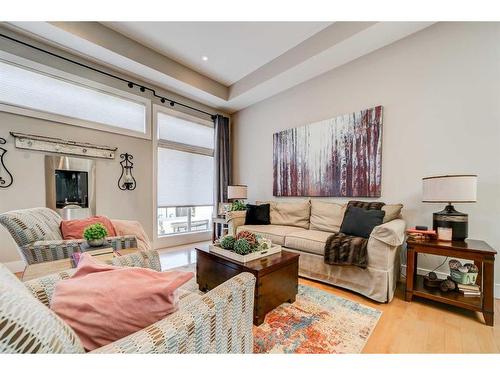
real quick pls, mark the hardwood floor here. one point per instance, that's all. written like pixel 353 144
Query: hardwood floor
pixel 423 326
pixel 420 326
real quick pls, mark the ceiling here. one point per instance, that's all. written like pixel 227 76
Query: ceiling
pixel 247 61
pixel 234 49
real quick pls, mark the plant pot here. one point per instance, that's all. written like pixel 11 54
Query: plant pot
pixel 95 243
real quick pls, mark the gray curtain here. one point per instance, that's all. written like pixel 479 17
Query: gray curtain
pixel 223 168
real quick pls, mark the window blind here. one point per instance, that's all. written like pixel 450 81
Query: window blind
pixel 32 90
pixel 174 129
pixel 184 178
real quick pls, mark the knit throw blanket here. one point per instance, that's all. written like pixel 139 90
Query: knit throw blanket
pixel 343 249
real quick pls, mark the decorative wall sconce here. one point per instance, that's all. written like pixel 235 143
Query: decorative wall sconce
pixel 126 180
pixel 5 180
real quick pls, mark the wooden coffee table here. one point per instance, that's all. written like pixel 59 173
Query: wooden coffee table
pixel 277 277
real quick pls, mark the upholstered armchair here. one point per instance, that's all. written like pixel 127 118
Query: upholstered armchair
pixel 38 237
pixel 219 321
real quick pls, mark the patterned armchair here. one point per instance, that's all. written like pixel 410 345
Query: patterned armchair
pixel 219 321
pixel 38 237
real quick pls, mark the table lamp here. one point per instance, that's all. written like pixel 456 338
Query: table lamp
pixel 450 189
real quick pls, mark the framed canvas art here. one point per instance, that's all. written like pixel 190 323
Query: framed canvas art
pixel 338 157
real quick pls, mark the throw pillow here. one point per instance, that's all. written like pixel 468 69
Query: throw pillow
pixel 103 303
pixel 130 227
pixel 73 229
pixel 257 214
pixel 360 222
pixel 366 205
pixel 392 211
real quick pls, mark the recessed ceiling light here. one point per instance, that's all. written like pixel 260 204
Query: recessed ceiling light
pixel 204 58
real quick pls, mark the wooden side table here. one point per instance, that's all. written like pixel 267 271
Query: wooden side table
pixel 219 227
pixel 34 271
pixel 478 251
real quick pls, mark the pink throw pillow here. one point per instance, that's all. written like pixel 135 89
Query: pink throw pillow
pixel 103 303
pixel 73 229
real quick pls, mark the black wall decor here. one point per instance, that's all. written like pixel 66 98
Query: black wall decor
pixel 126 180
pixel 6 178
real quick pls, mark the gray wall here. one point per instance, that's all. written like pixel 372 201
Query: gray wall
pixel 441 98
pixel 27 168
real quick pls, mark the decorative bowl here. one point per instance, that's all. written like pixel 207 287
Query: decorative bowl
pixel 96 243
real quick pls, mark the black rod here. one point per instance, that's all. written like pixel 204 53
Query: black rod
pixel 130 83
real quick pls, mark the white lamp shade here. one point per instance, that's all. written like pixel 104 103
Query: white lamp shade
pixel 237 192
pixel 448 189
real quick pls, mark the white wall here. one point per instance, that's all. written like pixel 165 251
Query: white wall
pixel 440 89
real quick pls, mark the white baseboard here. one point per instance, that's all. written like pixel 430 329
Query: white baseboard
pixel 16 266
pixel 442 275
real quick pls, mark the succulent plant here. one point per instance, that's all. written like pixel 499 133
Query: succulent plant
pixel 242 247
pixel 227 242
pixel 95 232
pixel 249 236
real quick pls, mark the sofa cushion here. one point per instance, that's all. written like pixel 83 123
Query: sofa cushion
pixel 310 241
pixel 295 214
pixel 359 222
pixel 27 325
pixel 276 233
pixel 258 214
pixel 392 211
pixel 326 216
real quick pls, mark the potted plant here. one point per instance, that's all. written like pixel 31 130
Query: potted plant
pixel 95 234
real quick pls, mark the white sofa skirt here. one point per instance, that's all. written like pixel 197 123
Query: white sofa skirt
pixel 373 283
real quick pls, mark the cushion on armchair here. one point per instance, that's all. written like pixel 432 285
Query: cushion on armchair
pixel 103 303
pixel 73 229
pixel 131 227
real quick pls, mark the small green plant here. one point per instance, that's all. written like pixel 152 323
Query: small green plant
pixel 242 247
pixel 238 206
pixel 227 242
pixel 95 232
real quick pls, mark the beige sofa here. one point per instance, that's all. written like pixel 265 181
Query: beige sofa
pixel 304 226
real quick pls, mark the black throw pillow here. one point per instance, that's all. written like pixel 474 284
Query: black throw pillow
pixel 360 222
pixel 258 214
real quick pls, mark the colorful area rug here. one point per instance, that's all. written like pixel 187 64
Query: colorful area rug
pixel 317 322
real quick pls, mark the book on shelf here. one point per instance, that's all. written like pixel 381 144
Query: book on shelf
pixel 429 232
pixel 476 294
pixel 469 287
pixel 420 235
pixel 470 293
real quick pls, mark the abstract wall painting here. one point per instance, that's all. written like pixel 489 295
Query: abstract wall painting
pixel 338 157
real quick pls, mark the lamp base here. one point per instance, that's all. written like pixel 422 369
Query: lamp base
pixel 451 218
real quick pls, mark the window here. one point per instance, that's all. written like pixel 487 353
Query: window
pixel 47 93
pixel 185 174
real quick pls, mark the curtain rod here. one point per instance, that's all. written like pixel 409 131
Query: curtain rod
pixel 130 83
